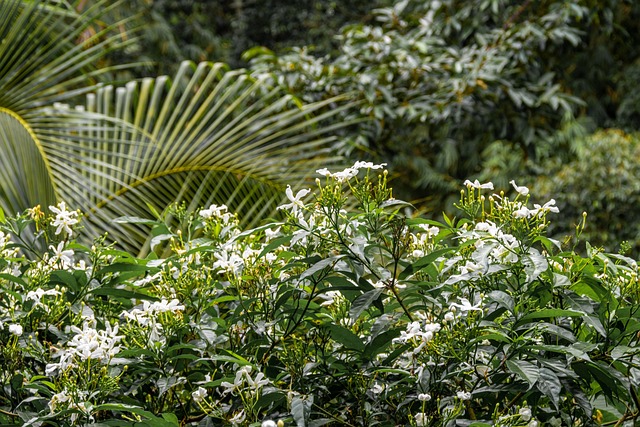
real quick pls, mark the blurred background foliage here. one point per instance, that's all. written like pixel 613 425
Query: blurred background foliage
pixel 541 91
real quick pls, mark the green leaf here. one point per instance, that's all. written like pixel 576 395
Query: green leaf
pixel 363 302
pixel 422 263
pixel 548 313
pixel 119 267
pixel 268 399
pixel 301 409
pixel 503 299
pixel 347 338
pixel 527 371
pixel 549 384
pixel 320 265
pixel 123 293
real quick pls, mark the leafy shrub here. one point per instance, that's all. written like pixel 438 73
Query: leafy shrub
pixel 601 179
pixel 350 312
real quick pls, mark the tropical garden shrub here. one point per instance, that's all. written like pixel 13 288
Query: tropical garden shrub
pixel 349 312
pixel 598 176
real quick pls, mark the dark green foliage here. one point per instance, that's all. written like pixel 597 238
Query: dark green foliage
pixel 600 177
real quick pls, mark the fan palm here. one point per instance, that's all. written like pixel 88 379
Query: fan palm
pixel 206 135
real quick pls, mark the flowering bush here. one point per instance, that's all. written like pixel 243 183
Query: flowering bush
pixel 348 312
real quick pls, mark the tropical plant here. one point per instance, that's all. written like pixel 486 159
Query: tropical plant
pixel 206 135
pixel 335 316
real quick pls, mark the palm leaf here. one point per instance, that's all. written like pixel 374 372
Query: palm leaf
pixel 206 135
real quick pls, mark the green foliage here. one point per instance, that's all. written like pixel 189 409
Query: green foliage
pixel 441 82
pixel 599 178
pixel 207 134
pixel 337 315
pixel 200 30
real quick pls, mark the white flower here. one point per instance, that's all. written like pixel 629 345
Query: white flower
pixel 421 419
pixel 368 165
pixel 550 206
pixel 523 191
pixel 525 414
pixel 523 212
pixel 238 418
pixel 228 263
pixel 532 423
pixel 424 397
pixel 463 395
pixel 449 317
pixel 64 218
pixel 213 211
pixel 37 295
pixel 296 201
pixel 476 184
pixel 64 256
pixel 341 176
pixel 269 423
pixel 467 306
pixel 431 231
pixel 555 422
pixel 15 329
pixel 377 388
pixel 57 398
pixel 199 395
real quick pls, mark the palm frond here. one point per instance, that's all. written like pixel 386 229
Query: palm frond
pixel 207 135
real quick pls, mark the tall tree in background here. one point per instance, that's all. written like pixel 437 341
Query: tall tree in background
pixel 449 85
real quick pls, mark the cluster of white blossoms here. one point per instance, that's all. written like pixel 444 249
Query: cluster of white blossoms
pixel 37 295
pixel 149 311
pixel 147 314
pixel 64 219
pixel 88 343
pixel 243 381
pixel 419 332
pixel 348 173
pixel 421 242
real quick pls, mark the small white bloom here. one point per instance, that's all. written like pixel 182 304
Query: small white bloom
pixel 525 413
pixel 467 306
pixel 15 329
pixel 532 423
pixel 213 211
pixel 368 165
pixel 523 212
pixel 476 184
pixel 58 398
pixel 296 201
pixel 238 418
pixel 463 395
pixel 421 419
pixel 342 176
pixel 550 206
pixel 424 397
pixel 449 317
pixel 523 191
pixel 64 256
pixel 555 422
pixel 269 423
pixel 377 388
pixel 199 395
